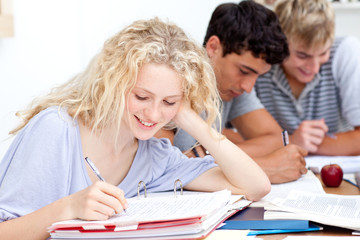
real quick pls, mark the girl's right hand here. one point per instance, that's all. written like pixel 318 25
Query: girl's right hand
pixel 97 202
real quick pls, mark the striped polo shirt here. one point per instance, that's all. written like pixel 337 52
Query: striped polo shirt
pixel 333 94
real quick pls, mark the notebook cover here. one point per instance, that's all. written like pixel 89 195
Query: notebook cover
pixel 253 218
pixel 312 227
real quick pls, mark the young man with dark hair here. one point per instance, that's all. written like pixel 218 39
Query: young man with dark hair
pixel 243 41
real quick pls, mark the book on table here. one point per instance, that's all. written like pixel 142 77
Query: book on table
pixel 305 199
pixel 329 209
pixel 253 218
pixel 189 216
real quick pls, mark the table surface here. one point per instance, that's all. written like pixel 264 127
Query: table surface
pixel 345 188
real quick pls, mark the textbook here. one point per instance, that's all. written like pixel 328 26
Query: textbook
pixel 189 216
pixel 253 218
pixel 329 209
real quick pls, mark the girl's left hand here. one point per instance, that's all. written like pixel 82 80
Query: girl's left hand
pixel 185 116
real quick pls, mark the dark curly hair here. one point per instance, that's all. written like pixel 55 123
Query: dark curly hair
pixel 248 26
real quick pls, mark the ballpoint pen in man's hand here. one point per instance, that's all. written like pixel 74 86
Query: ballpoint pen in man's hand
pixel 285 137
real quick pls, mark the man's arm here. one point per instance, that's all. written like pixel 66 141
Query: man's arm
pixel 263 142
pixel 346 72
pixel 284 165
pixel 312 135
pixel 262 134
pixel 345 143
pixel 233 135
pixel 162 133
pixel 198 151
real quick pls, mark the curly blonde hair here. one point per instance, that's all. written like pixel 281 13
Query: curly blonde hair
pixel 312 22
pixel 97 95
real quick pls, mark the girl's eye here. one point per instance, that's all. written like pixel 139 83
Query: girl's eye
pixel 169 103
pixel 140 98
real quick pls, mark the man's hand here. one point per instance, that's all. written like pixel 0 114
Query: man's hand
pixel 285 164
pixel 310 134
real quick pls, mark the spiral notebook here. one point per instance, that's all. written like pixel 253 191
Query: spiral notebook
pixel 163 216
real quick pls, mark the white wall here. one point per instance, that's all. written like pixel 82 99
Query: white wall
pixel 347 17
pixel 55 39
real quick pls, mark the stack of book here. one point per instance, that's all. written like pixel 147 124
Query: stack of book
pixel 161 217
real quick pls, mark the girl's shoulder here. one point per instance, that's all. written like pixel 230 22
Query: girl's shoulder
pixel 52 120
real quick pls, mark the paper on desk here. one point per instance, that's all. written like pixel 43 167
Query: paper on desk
pixel 349 164
pixel 236 199
pixel 331 209
pixel 308 182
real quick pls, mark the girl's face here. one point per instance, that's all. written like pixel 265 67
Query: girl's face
pixel 154 101
pixel 303 63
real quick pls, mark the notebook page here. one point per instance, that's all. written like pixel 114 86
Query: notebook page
pixel 307 182
pixel 163 208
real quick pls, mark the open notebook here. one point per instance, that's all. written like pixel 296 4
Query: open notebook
pixel 187 216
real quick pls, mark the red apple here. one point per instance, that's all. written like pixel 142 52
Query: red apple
pixel 331 175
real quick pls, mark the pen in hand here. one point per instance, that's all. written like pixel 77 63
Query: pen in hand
pixel 96 171
pixel 285 137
